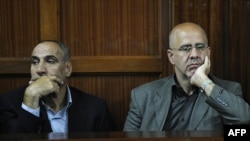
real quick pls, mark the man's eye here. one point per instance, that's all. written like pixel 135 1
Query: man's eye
pixel 200 46
pixel 51 61
pixel 185 48
pixel 34 62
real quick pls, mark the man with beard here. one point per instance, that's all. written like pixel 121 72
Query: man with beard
pixel 191 98
pixel 48 103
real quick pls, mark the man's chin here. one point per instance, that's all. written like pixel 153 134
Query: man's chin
pixel 191 73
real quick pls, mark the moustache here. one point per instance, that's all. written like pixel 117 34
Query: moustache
pixel 195 62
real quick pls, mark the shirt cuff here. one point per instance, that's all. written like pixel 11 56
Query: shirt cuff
pixel 35 112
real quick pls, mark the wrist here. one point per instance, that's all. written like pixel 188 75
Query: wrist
pixel 31 100
pixel 204 85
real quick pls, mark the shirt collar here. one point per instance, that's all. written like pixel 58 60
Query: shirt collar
pixel 176 86
pixel 176 83
pixel 69 99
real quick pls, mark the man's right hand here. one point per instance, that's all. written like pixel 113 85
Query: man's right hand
pixel 39 88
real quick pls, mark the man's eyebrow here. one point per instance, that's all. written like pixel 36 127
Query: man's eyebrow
pixel 199 43
pixel 46 57
pixel 33 57
pixel 50 56
pixel 186 45
pixel 191 44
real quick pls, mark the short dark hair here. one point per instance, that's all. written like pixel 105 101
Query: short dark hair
pixel 64 47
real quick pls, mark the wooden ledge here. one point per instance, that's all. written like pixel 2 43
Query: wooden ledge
pixel 92 64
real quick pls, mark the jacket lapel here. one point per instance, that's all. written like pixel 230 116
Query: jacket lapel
pixel 198 112
pixel 45 127
pixel 72 120
pixel 200 108
pixel 162 103
pixel 75 122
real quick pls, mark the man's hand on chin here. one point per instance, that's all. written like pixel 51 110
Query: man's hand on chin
pixel 200 75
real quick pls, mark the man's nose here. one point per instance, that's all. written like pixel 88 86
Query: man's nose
pixel 194 53
pixel 41 67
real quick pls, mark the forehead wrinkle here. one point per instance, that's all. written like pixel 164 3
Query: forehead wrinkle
pixel 45 50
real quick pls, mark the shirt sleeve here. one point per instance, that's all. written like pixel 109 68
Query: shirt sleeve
pixel 35 112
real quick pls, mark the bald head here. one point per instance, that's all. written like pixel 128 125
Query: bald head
pixel 180 31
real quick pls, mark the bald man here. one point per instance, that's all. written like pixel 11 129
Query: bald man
pixel 191 98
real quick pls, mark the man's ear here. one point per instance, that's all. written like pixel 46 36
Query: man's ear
pixel 170 56
pixel 68 68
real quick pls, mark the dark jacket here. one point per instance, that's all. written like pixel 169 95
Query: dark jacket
pixel 86 114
